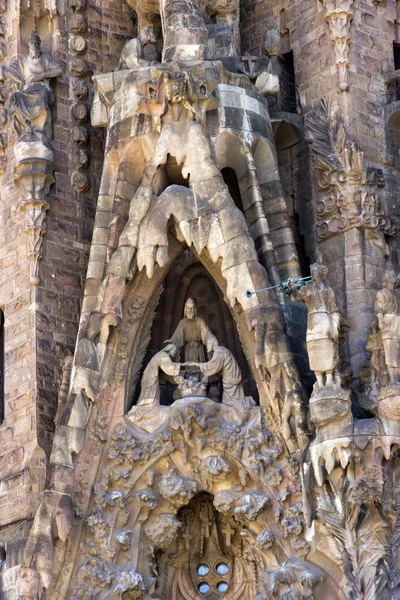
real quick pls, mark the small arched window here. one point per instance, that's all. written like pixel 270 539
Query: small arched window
pixel 2 366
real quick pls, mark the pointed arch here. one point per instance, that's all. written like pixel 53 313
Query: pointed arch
pixel 139 309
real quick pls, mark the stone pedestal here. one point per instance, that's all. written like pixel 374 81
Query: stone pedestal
pixel 330 411
pixel 389 409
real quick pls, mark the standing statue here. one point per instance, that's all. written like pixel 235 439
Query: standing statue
pixel 223 362
pixel 323 324
pixel 132 52
pixel 386 310
pixel 32 74
pixel 191 334
pixel 148 410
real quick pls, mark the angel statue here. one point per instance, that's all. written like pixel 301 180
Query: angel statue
pixel 323 324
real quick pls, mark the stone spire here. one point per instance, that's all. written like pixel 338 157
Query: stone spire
pixel 184 30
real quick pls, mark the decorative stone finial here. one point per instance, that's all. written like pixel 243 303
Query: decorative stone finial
pixel 339 16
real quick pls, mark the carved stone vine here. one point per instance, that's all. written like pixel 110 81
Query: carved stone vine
pixel 339 15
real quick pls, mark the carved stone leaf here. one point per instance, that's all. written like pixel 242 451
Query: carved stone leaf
pixel 328 135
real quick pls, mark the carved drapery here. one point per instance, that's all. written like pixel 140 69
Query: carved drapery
pixel 339 15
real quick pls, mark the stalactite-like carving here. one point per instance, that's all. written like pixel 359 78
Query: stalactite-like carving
pixel 339 15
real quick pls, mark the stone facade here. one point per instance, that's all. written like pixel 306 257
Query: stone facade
pixel 200 213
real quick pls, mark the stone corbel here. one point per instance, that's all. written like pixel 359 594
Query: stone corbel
pixel 339 15
pixel 34 174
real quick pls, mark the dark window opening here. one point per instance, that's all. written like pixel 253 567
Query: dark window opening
pixel 289 100
pixel 169 174
pixel 396 55
pixel 2 366
pixel 231 181
pixel 300 241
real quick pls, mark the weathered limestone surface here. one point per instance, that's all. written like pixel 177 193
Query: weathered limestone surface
pixel 199 212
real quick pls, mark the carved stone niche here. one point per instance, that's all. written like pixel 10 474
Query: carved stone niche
pixel 34 174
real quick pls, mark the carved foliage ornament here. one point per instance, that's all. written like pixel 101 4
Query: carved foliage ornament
pixel 349 191
pixel 339 15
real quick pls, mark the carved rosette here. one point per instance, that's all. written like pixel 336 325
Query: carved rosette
pixel 339 16
pixel 34 174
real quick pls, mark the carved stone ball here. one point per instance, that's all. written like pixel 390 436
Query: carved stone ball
pixel 80 112
pixel 79 5
pixel 78 23
pixel 80 158
pixel 78 44
pixel 79 89
pixel 35 280
pixel 78 67
pixel 80 182
pixel 80 136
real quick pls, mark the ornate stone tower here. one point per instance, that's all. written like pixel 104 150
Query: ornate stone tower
pixel 199 328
